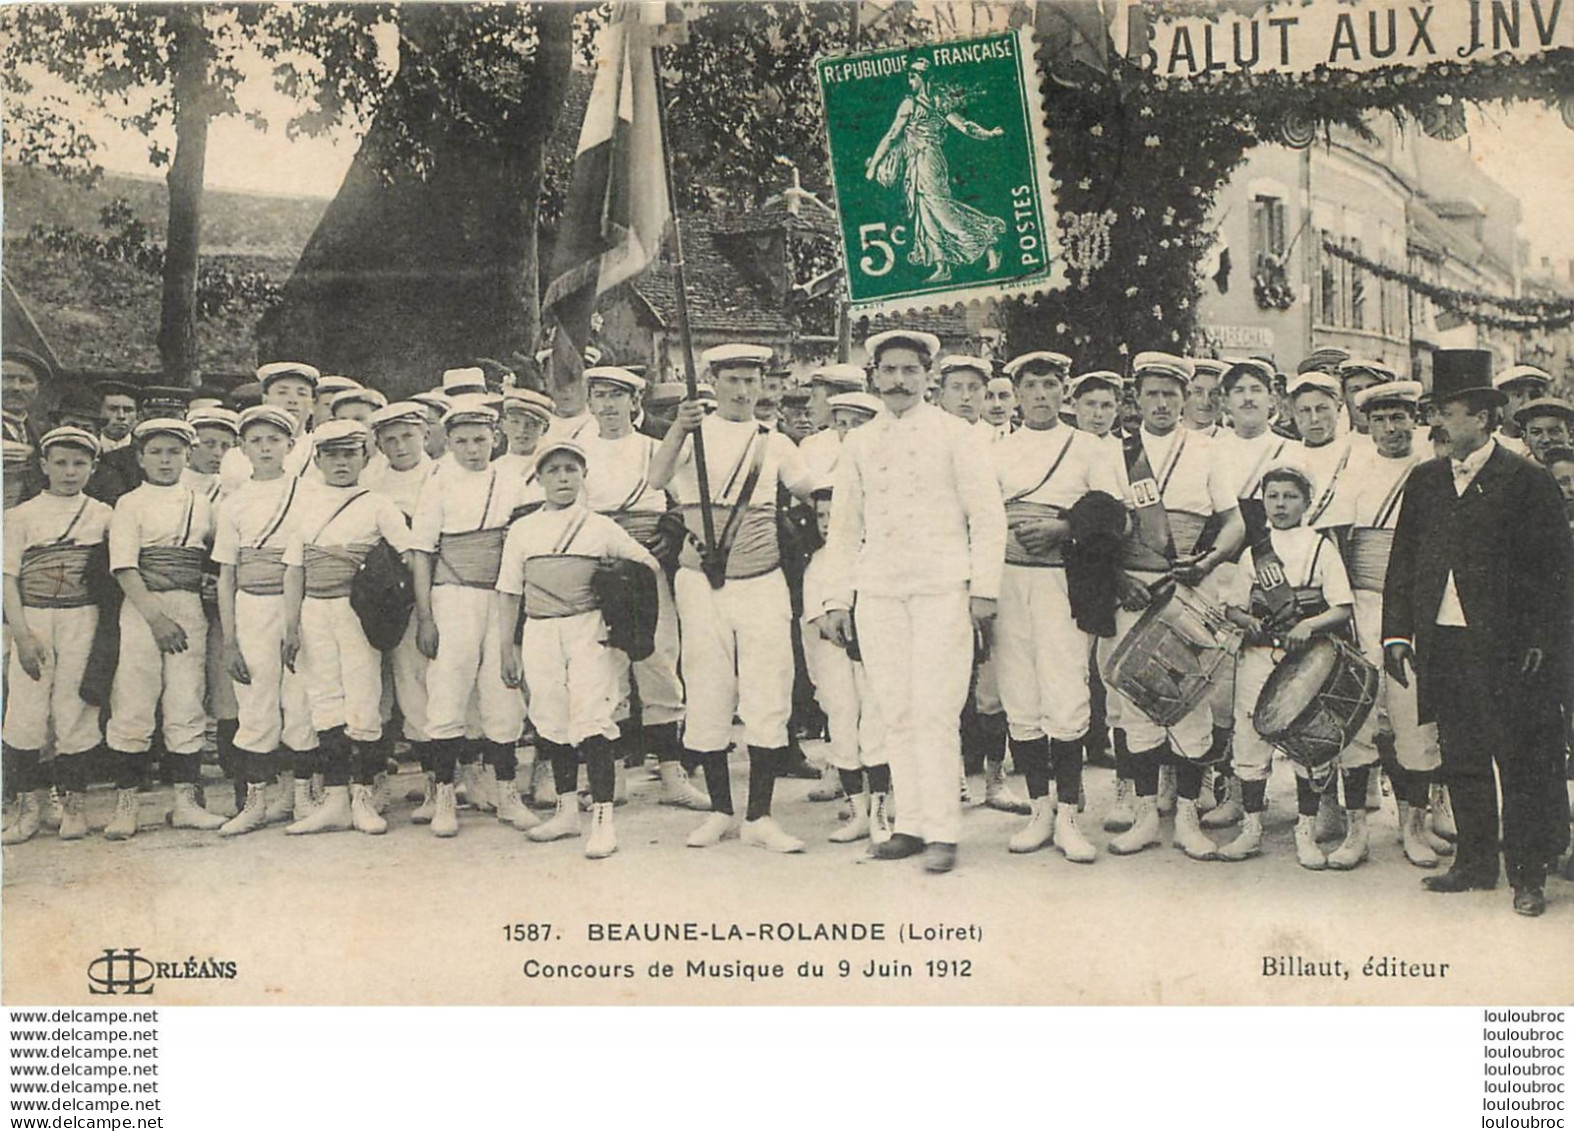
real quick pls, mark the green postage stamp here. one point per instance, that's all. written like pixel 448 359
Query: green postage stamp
pixel 940 162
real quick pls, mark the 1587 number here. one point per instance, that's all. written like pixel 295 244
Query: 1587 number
pixel 527 932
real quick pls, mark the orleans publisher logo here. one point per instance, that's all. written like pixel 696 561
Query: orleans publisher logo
pixel 127 971
pixel 120 972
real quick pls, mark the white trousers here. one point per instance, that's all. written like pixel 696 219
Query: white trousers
pixel 273 709
pixel 344 673
pixel 1415 745
pixel 1253 755
pixel 656 676
pixel 737 659
pixel 147 680
pixel 468 667
pixel 54 699
pixel 1189 738
pixel 407 673
pixel 918 654
pixel 573 677
pixel 1037 647
pixel 841 688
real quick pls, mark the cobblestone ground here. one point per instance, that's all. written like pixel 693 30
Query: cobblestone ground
pixel 344 918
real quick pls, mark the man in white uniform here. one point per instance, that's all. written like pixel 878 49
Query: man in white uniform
pixel 1044 468
pixel 821 448
pixel 917 539
pixel 734 612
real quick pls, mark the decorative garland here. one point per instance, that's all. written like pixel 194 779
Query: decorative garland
pixel 1527 314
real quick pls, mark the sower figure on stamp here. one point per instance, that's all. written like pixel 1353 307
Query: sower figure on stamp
pixel 734 611
pixel 1044 469
pixel 1174 485
pixel 1476 608
pixel 917 539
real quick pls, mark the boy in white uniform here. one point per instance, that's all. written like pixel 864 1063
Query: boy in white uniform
pixel 737 633
pixel 527 415
pixel 158 540
pixel 1287 597
pixel 461 521
pixel 274 735
pixel 338 525
pixel 617 484
pixel 549 559
pixel 289 386
pixel 857 745
pixel 399 431
pixel 51 615
pixel 1044 468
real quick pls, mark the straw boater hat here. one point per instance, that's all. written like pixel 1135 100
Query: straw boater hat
pixel 400 412
pixel 920 340
pixel 340 435
pixel 266 414
pixel 1158 364
pixel 1039 362
pixel 277 370
pixel 1390 393
pixel 842 377
pixel 555 446
pixel 68 436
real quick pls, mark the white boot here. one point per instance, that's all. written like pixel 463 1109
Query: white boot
pixel 603 839
pixel 1230 811
pixel 1353 849
pixel 123 825
pixel 1069 839
pixel 1189 837
pixel 1167 790
pixel 711 830
pixel 445 811
pixel 1039 830
pixel 29 818
pixel 186 813
pixel 997 794
pixel 1306 850
pixel 422 815
pixel 562 824
pixel 856 826
pixel 286 803
pixel 332 816
pixel 1247 842
pixel 677 789
pixel 253 814
pixel 830 787
pixel 73 822
pixel 1144 831
pixel 880 827
pixel 363 811
pixel 512 810
pixel 1123 813
pixel 766 833
pixel 1412 835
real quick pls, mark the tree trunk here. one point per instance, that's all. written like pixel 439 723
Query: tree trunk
pixel 177 336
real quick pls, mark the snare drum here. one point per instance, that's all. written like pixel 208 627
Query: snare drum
pixel 1167 662
pixel 1315 702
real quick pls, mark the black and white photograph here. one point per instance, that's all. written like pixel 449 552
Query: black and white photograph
pixel 765 503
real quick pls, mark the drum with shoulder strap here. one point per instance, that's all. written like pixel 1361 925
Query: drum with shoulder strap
pixel 1167 662
pixel 1315 703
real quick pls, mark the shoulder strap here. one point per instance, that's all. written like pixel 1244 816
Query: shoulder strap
pixel 191 513
pixel 338 510
pixel 639 488
pixel 65 535
pixel 570 533
pixel 1153 522
pixel 1327 494
pixel 1391 501
pixel 278 518
pixel 1065 450
pixel 486 506
pixel 730 531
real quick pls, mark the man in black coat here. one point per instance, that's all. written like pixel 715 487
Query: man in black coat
pixel 1477 601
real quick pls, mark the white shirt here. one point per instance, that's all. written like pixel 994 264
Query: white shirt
pixel 618 474
pixel 403 487
pixel 1193 483
pixel 1450 613
pixel 457 500
pixel 211 486
pixel 1304 567
pixel 917 510
pixel 576 428
pixel 254 510
pixel 235 468
pixel 44 518
pixel 151 515
pixel 541 533
pixel 1242 460
pixel 726 441
pixel 821 452
pixel 324 519
pixel 1366 493
pixel 1022 457
pixel 1325 465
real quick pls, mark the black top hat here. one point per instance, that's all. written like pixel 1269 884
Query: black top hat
pixel 1464 373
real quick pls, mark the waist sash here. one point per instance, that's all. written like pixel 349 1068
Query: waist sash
pixel 755 549
pixel 473 558
pixel 1185 530
pixel 1019 512
pixel 558 585
pixel 331 570
pixel 259 571
pixel 1369 552
pixel 55 577
pixel 640 525
pixel 167 568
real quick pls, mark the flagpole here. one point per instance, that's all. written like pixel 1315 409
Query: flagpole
pixel 707 515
